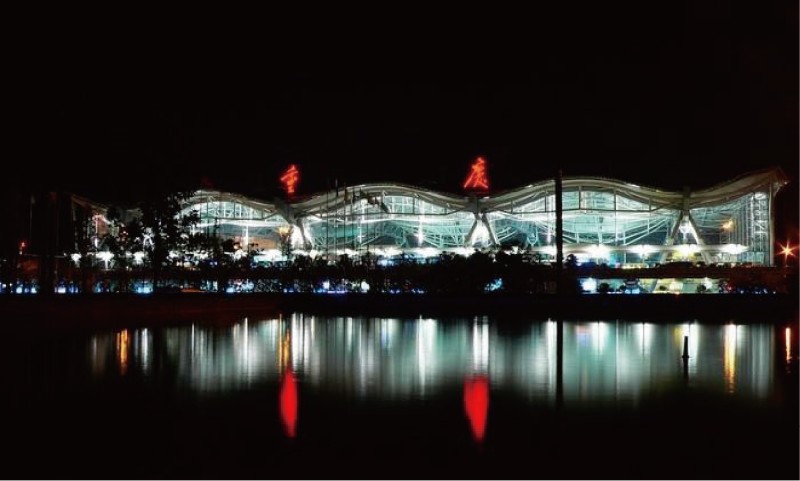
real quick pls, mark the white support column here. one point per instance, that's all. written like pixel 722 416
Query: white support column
pixel 700 241
pixel 492 236
pixel 307 243
pixel 671 239
pixel 468 241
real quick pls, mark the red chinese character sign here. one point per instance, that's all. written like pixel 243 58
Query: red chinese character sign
pixel 477 179
pixel 290 179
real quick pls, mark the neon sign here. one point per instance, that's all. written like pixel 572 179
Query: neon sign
pixel 477 179
pixel 290 178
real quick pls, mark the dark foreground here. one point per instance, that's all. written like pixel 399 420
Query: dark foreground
pixel 118 432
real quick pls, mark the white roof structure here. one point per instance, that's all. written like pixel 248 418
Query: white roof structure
pixel 603 218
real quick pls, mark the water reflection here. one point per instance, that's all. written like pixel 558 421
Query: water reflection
pixel 788 341
pixel 288 403
pixel 729 354
pixel 393 358
pixel 476 404
pixel 288 395
pixel 123 344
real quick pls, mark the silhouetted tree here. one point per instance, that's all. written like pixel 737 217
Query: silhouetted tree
pixel 168 226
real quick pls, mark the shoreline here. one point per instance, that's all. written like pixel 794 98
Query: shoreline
pixel 131 310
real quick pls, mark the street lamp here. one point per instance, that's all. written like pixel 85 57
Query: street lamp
pixel 787 251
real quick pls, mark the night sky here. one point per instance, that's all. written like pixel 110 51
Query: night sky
pixel 685 97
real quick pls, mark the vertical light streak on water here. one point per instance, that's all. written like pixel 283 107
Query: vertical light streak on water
pixel 480 347
pixel 145 354
pixel 97 360
pixel 426 339
pixel 297 327
pixel 787 334
pixel 729 358
pixel 411 358
pixel 246 349
pixel 308 341
pixel 123 344
pixel 551 348
pixel 692 330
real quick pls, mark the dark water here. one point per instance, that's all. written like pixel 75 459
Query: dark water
pixel 338 397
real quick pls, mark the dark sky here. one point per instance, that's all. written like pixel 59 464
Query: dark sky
pixel 680 96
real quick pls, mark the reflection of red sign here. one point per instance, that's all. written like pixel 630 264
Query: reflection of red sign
pixel 289 403
pixel 290 178
pixel 477 179
pixel 476 404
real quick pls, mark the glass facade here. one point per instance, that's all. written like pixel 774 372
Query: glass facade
pixel 604 220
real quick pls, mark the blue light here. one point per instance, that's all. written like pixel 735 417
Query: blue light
pixel 494 285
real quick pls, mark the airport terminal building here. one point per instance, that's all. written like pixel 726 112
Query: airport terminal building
pixel 604 221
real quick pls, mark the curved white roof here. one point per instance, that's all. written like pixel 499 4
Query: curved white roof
pixel 331 200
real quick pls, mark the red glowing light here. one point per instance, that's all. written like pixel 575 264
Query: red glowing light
pixel 290 178
pixel 476 404
pixel 477 179
pixel 289 403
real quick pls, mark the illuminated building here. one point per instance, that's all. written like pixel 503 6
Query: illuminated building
pixel 605 220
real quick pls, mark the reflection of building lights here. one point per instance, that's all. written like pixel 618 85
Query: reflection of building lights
pixel 285 351
pixel 729 356
pixel 692 331
pixel 123 342
pixel 788 336
pixel 599 332
pixel 426 341
pixel 289 403
pixel 480 346
pixel 383 359
pixel 645 335
pixel 145 355
pixel 476 404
